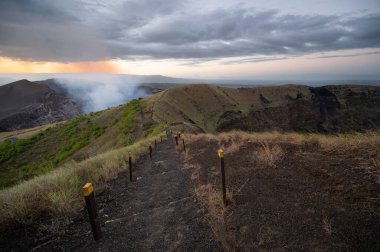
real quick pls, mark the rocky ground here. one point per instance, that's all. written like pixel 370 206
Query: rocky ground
pixel 291 196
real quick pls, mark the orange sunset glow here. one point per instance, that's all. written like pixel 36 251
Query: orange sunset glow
pixel 8 65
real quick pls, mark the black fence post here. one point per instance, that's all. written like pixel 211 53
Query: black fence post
pixel 130 166
pixel 176 140
pixel 183 143
pixel 221 156
pixel 150 150
pixel 88 193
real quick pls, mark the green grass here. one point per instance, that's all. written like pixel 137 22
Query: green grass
pixel 126 124
pixel 58 193
pixel 76 139
pixel 157 130
pixel 46 150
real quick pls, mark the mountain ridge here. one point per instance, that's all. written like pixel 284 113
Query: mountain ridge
pixel 25 104
pixel 284 108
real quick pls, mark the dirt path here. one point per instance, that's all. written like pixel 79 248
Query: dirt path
pixel 157 212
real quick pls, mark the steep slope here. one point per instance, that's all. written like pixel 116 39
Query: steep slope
pixel 284 108
pixel 25 104
pixel 76 139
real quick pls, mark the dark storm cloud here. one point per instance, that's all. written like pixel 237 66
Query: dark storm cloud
pixel 47 30
pixel 29 12
pixel 81 31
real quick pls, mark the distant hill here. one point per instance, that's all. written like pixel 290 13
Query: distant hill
pixel 338 108
pixel 25 104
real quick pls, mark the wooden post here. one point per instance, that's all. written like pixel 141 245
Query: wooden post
pixel 183 143
pixel 221 156
pixel 150 150
pixel 88 193
pixel 176 140
pixel 130 166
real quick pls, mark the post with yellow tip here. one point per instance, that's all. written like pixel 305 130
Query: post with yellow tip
pixel 150 150
pixel 88 193
pixel 130 166
pixel 221 156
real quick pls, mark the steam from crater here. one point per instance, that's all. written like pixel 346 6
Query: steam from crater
pixel 102 92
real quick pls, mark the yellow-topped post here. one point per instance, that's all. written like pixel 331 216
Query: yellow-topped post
pixel 220 153
pixel 221 156
pixel 87 189
pixel 89 197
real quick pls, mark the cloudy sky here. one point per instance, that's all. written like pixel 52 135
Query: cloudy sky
pixel 257 39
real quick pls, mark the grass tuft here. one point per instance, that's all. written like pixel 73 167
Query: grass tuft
pixel 269 154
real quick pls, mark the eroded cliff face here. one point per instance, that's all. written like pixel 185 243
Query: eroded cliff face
pixel 326 109
pixel 25 104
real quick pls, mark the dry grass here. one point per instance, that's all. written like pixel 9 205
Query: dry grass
pixel 189 138
pixel 232 147
pixel 58 193
pixel 235 139
pixel 269 154
pixel 213 199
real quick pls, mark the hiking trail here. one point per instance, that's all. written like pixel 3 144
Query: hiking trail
pixel 158 211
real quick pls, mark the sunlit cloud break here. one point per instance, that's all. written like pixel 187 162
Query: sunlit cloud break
pixel 182 38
